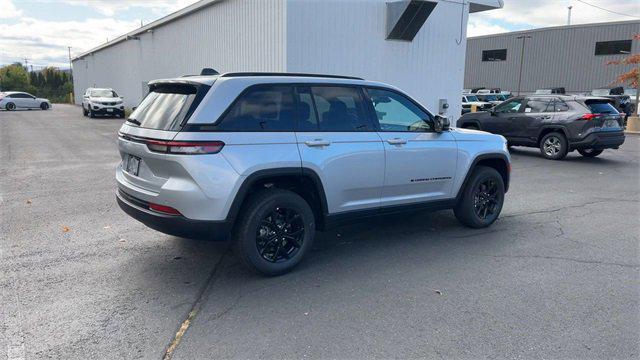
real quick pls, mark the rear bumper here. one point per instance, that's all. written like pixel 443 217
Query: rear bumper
pixel 600 140
pixel 172 224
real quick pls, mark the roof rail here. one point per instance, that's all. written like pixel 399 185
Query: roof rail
pixel 240 74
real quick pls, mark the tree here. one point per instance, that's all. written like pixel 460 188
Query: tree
pixel 631 77
pixel 14 77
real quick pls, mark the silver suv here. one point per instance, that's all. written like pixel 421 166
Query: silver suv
pixel 269 158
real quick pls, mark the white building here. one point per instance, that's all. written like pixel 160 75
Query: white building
pixel 418 46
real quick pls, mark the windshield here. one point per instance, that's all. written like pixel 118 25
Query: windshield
pixel 166 106
pixel 103 93
pixel 601 107
pixel 630 92
pixel 490 98
pixel 600 92
pixel 472 98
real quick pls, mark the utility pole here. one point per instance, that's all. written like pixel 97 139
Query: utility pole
pixel 569 14
pixel 26 63
pixel 524 39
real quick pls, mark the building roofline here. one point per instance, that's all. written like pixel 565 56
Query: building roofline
pixel 551 28
pixel 152 25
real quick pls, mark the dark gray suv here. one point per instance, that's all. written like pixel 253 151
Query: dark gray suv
pixel 557 124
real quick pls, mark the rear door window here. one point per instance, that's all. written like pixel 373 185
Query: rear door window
pixel 167 106
pixel 340 109
pixel 261 108
pixel 539 105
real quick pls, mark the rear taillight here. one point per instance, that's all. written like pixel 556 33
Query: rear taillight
pixel 185 147
pixel 163 209
pixel 589 116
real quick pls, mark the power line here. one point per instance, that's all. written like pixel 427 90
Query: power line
pixel 607 10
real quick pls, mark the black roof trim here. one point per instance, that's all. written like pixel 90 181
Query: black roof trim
pixel 241 74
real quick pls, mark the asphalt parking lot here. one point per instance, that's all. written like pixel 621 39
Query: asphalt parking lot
pixel 556 277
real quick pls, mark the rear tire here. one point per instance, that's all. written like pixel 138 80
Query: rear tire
pixel 274 231
pixel 10 106
pixel 554 146
pixel 590 153
pixel 482 198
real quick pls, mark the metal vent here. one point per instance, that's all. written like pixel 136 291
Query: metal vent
pixel 405 18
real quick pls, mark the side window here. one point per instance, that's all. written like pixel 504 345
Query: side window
pixel 539 105
pixel 511 106
pixel 340 109
pixel 561 106
pixel 395 112
pixel 307 119
pixel 261 108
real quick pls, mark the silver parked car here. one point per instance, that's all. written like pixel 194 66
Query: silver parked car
pixel 270 158
pixel 13 100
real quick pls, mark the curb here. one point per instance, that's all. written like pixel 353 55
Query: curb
pixel 631 132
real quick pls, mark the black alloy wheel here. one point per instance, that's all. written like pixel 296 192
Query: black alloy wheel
pixel 485 198
pixel 280 235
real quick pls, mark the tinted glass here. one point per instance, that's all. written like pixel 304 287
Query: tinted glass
pixel 165 107
pixel 340 109
pixel 397 113
pixel 512 106
pixel 539 105
pixel 613 47
pixel 261 108
pixel 307 120
pixel 103 93
pixel 494 55
pixel 489 98
pixel 601 107
pixel 561 106
pixel 472 98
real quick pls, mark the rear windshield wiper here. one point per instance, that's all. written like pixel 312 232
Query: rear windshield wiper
pixel 131 120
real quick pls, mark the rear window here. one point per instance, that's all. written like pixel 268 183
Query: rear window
pixel 167 106
pixel 601 107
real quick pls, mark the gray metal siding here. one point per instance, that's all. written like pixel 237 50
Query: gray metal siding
pixel 231 35
pixel 555 57
pixel 348 37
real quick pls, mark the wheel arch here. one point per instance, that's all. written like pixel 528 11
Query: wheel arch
pixel 498 161
pixel 303 181
pixel 549 129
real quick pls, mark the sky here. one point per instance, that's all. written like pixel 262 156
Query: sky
pixel 42 30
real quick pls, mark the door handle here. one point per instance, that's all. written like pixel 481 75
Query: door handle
pixel 317 142
pixel 546 117
pixel 397 141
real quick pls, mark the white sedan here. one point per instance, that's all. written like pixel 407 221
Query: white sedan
pixel 12 100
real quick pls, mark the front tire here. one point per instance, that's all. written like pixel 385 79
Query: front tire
pixel 482 198
pixel 590 153
pixel 274 231
pixel 554 146
pixel 44 106
pixel 92 114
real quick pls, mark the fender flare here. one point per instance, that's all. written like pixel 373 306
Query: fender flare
pixel 544 128
pixel 294 172
pixel 474 163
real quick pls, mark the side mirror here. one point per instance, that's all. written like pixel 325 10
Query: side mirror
pixel 441 123
pixel 133 108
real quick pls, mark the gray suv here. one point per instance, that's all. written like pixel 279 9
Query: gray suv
pixel 266 159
